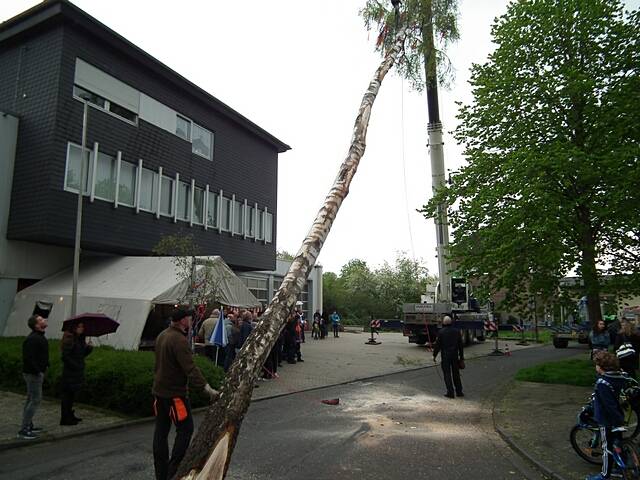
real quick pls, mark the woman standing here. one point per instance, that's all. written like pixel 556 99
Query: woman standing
pixel 599 337
pixel 74 350
pixel 629 340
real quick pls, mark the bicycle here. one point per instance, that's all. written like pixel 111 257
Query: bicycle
pixel 585 440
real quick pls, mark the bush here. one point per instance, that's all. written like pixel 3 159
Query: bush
pixel 117 380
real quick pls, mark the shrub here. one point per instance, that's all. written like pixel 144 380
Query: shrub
pixel 117 380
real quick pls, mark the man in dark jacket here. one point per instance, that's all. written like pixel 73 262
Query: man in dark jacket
pixel 174 368
pixel 449 343
pixel 35 360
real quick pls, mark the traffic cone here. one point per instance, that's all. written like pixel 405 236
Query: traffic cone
pixel 507 352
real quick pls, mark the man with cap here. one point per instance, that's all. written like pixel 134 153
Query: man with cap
pixel 174 368
pixel 449 344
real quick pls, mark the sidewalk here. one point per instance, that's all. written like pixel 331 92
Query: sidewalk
pixel 332 361
pixel 536 419
pixel 48 417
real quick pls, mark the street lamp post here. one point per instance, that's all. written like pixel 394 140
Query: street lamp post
pixel 76 251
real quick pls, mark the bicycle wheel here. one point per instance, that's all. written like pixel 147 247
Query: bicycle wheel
pixel 586 443
pixel 631 469
pixel 631 422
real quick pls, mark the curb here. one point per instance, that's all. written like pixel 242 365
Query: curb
pixel 140 421
pixel 517 448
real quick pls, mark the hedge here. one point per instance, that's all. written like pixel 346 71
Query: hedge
pixel 116 380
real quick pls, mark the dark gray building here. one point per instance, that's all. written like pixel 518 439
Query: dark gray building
pixel 162 155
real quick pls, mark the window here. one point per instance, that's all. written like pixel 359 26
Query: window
pixel 198 206
pixel 268 227
pixel 148 194
pixel 212 210
pixel 166 197
pixel 104 104
pixel 127 184
pixel 72 178
pixel 225 214
pixel 238 217
pixel 250 222
pixel 202 142
pixel 105 187
pixel 92 98
pixel 184 201
pixel 257 286
pixel 123 112
pixel 183 127
pixel 260 226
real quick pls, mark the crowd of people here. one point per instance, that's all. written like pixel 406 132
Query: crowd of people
pixel 239 323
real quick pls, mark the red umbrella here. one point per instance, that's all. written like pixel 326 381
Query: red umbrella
pixel 95 324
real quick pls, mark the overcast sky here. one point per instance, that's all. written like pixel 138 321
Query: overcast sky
pixel 299 68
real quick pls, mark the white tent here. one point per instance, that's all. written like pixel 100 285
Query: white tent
pixel 124 288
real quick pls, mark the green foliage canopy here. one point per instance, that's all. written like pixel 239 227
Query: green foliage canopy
pixel 418 16
pixel 359 292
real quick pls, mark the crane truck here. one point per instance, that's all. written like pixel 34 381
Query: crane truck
pixel 422 320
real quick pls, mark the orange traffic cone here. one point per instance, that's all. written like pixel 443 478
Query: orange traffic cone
pixel 507 352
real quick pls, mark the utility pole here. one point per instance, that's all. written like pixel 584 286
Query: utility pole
pixel 76 251
pixel 434 129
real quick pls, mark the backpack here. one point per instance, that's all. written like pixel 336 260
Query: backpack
pixel 626 349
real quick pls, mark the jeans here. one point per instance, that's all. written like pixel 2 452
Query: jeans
pixel 34 397
pixel 166 467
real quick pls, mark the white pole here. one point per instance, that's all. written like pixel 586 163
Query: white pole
pixel 76 251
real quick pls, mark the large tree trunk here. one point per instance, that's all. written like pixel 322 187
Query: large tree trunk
pixel 588 265
pixel 209 455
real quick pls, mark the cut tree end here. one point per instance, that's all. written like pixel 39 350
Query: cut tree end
pixel 215 467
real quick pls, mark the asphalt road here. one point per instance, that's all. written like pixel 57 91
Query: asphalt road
pixel 395 427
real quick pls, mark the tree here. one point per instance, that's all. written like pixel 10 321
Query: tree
pixel 402 282
pixel 552 143
pixel 360 292
pixel 209 454
pixel 203 285
pixel 284 255
pixel 419 17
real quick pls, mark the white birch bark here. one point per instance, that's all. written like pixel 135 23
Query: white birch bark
pixel 209 455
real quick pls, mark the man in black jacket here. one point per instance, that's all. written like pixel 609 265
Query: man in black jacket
pixel 449 343
pixel 35 360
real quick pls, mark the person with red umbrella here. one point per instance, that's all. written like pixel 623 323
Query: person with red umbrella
pixel 74 350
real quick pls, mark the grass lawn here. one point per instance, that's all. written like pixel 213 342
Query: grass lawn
pixel 573 371
pixel 544 336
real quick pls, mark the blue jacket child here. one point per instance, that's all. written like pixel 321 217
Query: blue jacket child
pixel 607 411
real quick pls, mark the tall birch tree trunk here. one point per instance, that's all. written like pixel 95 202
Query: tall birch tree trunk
pixel 210 452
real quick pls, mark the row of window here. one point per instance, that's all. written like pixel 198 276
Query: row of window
pixel 113 180
pixel 107 93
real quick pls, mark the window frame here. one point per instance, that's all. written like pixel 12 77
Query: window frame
pixel 89 171
pixel 107 105
pixel 190 127
pixel 114 164
pixel 268 216
pixel 194 125
pixel 194 190
pixel 211 194
pixel 162 189
pixel 154 192
pixel 225 201
pixel 179 184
